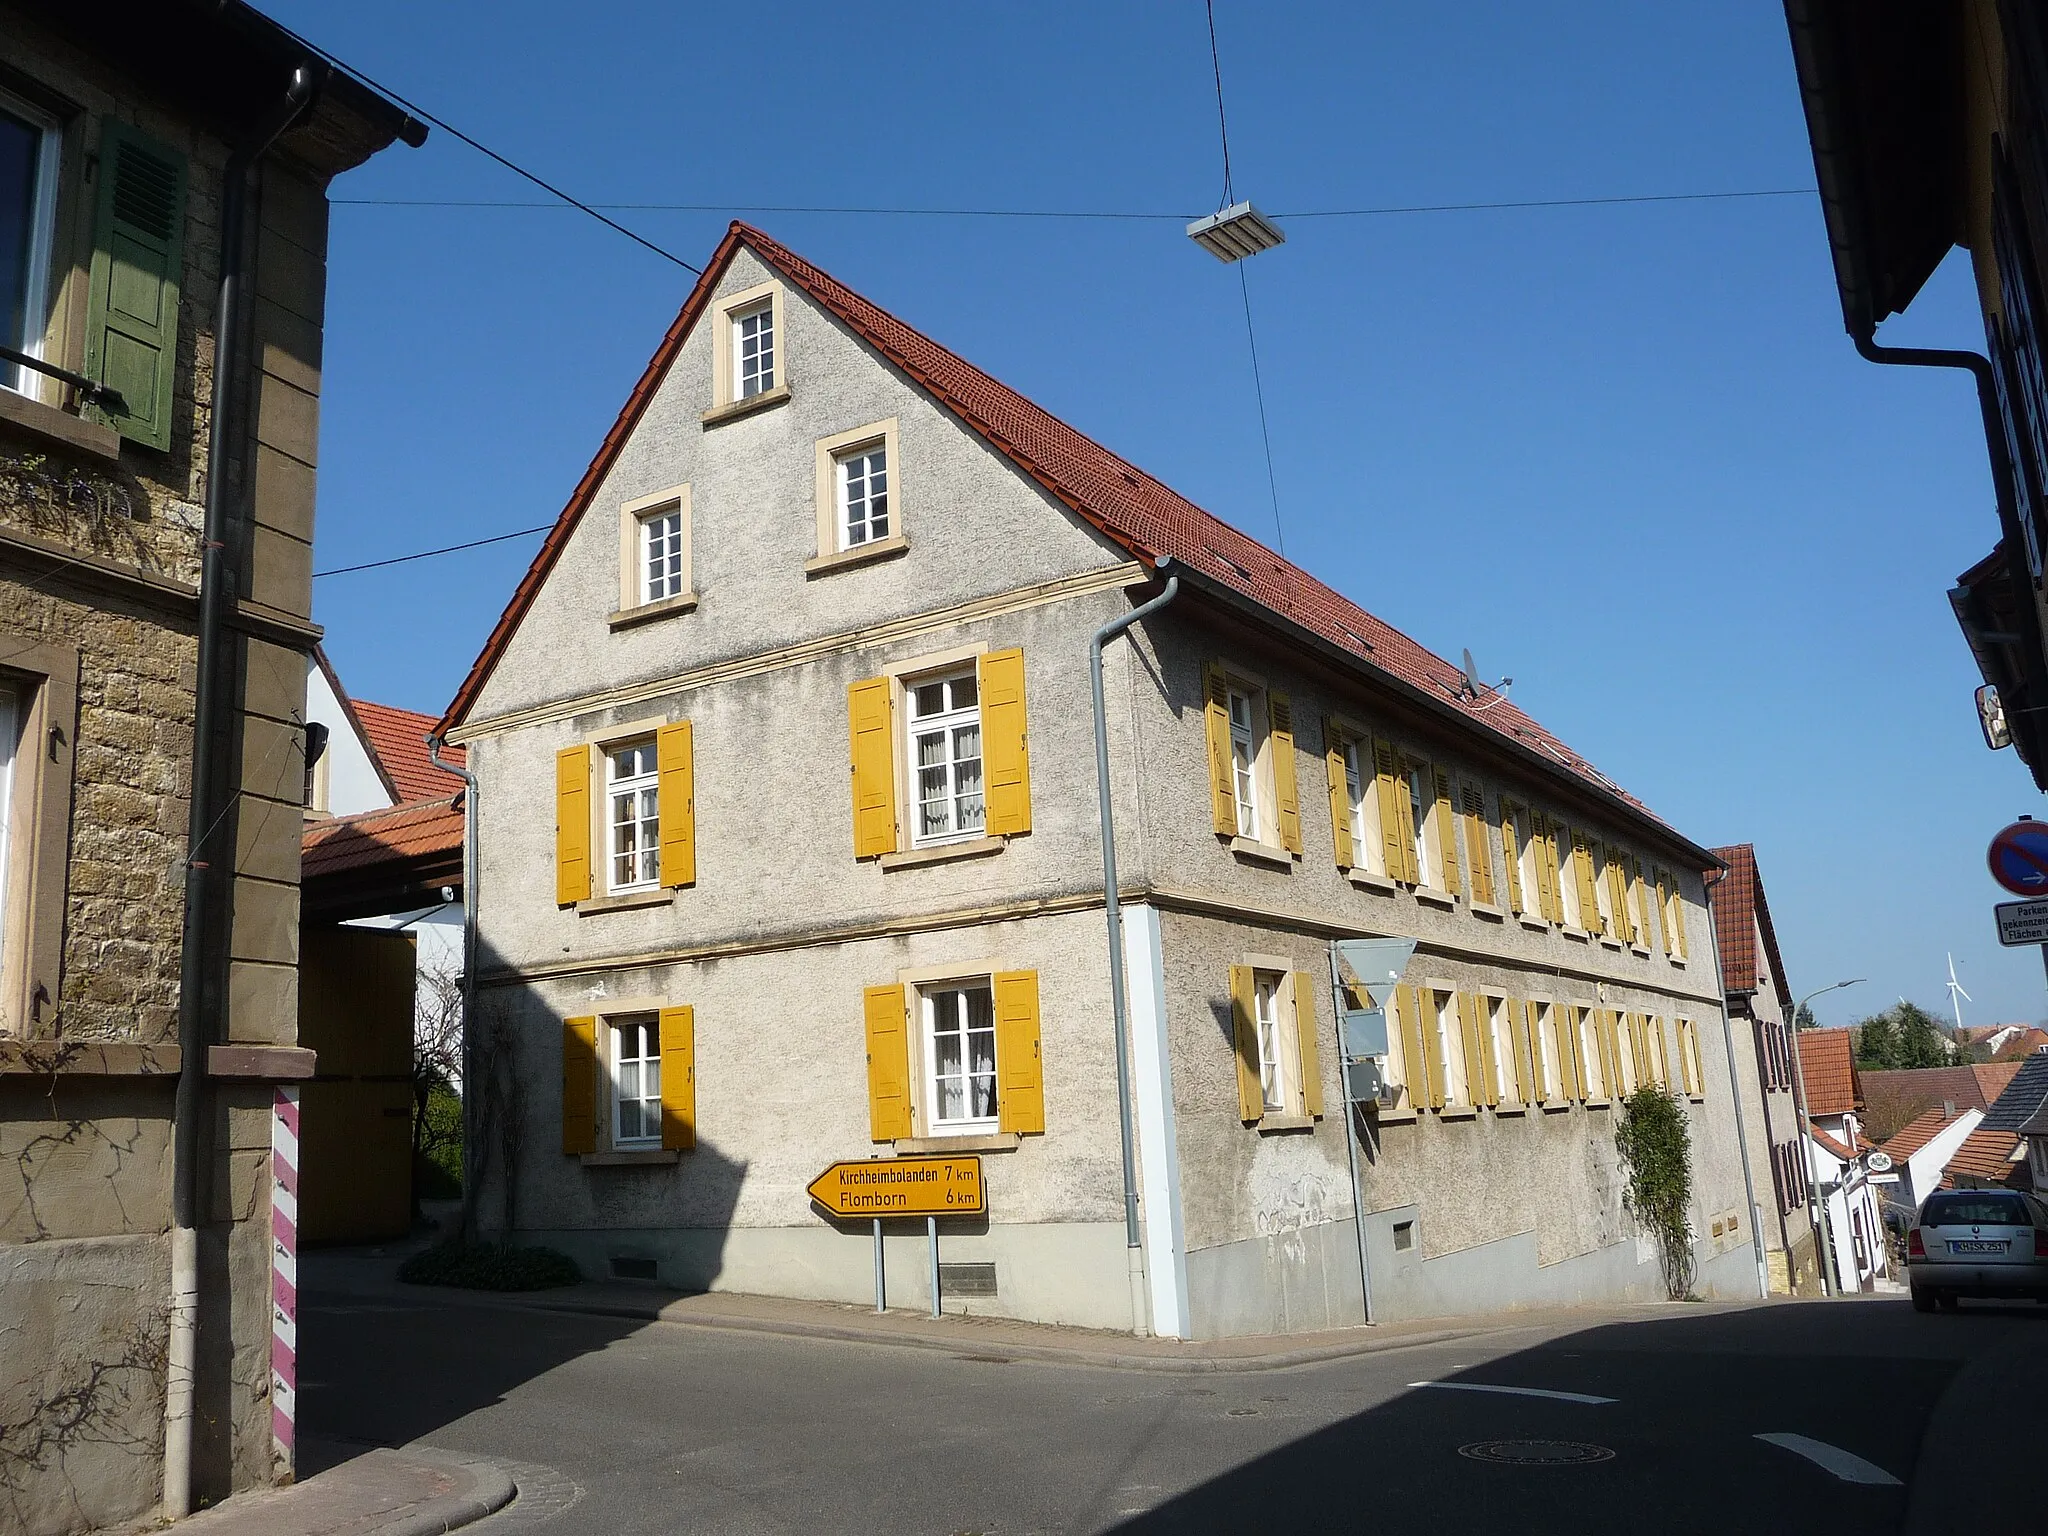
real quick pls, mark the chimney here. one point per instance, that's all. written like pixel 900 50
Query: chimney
pixel 1948 1109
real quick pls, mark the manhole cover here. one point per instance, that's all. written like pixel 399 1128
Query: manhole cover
pixel 1537 1453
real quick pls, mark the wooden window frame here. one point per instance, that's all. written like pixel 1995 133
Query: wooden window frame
pixel 912 986
pixel 44 678
pixel 650 780
pixel 726 315
pixel 948 721
pixel 614 1023
pixel 42 245
pixel 1499 1026
pixel 829 453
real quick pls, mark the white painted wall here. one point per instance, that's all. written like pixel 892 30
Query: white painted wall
pixel 1924 1168
pixel 351 772
pixel 1854 1195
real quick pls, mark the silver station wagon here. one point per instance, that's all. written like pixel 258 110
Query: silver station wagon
pixel 1977 1242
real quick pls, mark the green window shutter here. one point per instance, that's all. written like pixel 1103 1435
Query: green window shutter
pixel 131 337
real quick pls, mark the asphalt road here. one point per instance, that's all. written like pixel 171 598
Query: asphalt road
pixel 657 1428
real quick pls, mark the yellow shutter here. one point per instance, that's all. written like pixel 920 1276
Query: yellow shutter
pixel 1529 1047
pixel 1639 904
pixel 1446 820
pixel 889 1115
pixel 676 802
pixel 1305 1040
pixel 1470 1048
pixel 1511 856
pixel 1664 907
pixel 1397 825
pixel 871 718
pixel 1549 895
pixel 1660 1052
pixel 1005 747
pixel 572 826
pixel 1582 875
pixel 1622 903
pixel 1216 714
pixel 1251 1093
pixel 1699 1064
pixel 1020 1099
pixel 1436 1038
pixel 579 1084
pixel 1478 852
pixel 1286 789
pixel 1414 1058
pixel 1571 1079
pixel 1340 797
pixel 1677 919
pixel 1610 1051
pixel 679 1078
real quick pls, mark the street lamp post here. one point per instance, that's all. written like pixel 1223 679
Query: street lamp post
pixel 1816 1210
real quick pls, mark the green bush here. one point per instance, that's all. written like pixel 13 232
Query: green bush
pixel 490 1267
pixel 1654 1140
pixel 438 1173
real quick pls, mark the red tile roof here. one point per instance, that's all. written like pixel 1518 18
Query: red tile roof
pixel 1144 517
pixel 1923 1130
pixel 399 738
pixel 2022 1045
pixel 391 836
pixel 1829 1071
pixel 1740 913
pixel 1985 1156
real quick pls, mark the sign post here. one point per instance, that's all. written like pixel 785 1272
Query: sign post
pixel 1375 967
pixel 930 1187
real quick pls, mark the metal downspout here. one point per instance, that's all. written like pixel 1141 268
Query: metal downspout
pixel 1756 1228
pixel 1113 912
pixel 470 861
pixel 199 940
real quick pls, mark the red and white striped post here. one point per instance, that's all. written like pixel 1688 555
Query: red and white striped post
pixel 284 1276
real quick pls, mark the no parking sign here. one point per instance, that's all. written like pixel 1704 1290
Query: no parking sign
pixel 2019 858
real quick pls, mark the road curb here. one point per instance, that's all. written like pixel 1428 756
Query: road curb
pixel 492 1490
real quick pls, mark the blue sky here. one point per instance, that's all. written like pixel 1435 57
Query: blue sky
pixel 1625 454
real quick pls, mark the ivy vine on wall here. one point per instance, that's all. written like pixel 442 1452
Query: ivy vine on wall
pixel 1654 1140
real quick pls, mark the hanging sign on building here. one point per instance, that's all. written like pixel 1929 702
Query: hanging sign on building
pixel 902 1186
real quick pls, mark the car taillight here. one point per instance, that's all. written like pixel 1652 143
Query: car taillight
pixel 2040 1244
pixel 1915 1249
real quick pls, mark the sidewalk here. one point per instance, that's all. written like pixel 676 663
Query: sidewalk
pixel 369 1273
pixel 414 1492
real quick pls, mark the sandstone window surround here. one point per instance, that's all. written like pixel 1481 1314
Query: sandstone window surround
pixel 749 353
pixel 40 680
pixel 625 816
pixel 954 1058
pixel 859 498
pixel 654 558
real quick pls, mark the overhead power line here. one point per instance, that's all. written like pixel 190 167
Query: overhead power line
pixel 484 149
pixel 428 554
pixel 1075 213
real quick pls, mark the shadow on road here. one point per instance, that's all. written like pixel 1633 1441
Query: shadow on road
pixel 1674 1448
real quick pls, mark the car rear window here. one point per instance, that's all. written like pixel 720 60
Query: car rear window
pixel 1975 1210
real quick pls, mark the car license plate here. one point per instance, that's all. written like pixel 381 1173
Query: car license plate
pixel 1971 1245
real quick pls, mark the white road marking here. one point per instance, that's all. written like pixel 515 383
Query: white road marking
pixel 1480 1386
pixel 1832 1458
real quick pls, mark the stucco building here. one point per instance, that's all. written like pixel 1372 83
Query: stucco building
pixel 1760 1009
pixel 790 852
pixel 135 1240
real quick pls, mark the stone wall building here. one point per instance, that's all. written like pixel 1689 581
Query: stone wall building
pixel 790 853
pixel 117 122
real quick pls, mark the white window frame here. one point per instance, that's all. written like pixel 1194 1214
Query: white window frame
pixel 635 519
pixel 644 1032
pixel 1592 1060
pixel 42 235
pixel 663 561
pixel 1441 1001
pixel 843 463
pixel 1247 746
pixel 1361 789
pixel 1568 878
pixel 1528 863
pixel 10 732
pixel 1279 1050
pixel 762 379
pixel 1420 781
pixel 1603 894
pixel 647 781
pixel 1506 1064
pixel 948 722
pixel 929 994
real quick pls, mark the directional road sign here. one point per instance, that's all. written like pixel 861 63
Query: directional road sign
pixel 2022 922
pixel 902 1186
pixel 2019 858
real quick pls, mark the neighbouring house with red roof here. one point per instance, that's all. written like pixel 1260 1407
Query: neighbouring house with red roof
pixel 381 948
pixel 788 819
pixel 1837 1153
pixel 1893 1099
pixel 2004 1150
pixel 1760 1011
pixel 1921 1152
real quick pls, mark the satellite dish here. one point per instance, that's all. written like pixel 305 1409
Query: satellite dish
pixel 1471 676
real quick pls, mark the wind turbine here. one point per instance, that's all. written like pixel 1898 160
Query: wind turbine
pixel 1955 991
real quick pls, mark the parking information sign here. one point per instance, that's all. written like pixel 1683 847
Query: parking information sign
pixel 2022 922
pixel 2019 858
